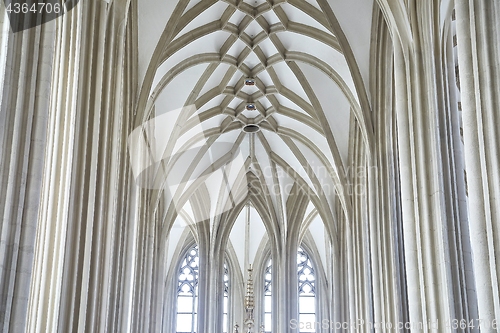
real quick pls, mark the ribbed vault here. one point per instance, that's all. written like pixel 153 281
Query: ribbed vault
pixel 274 65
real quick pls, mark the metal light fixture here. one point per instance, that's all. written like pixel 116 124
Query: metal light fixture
pixel 251 128
pixel 249 321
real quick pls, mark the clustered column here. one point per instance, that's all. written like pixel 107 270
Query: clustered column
pixel 478 34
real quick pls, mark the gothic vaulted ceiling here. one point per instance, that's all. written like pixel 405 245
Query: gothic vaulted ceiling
pixel 284 67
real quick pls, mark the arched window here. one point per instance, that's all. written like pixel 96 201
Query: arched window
pixel 187 292
pixel 307 291
pixel 268 296
pixel 225 319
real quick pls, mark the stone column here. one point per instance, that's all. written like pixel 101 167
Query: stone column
pixel 478 34
pixel 80 263
pixel 25 80
pixel 432 294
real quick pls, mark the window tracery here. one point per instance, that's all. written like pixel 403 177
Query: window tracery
pixel 268 296
pixel 225 316
pixel 187 292
pixel 307 291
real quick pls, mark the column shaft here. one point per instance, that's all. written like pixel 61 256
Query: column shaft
pixel 478 34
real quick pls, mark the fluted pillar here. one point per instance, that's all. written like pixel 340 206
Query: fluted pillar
pixel 25 79
pixel 83 235
pixel 433 296
pixel 478 34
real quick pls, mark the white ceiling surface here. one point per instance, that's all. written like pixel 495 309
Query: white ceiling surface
pixel 317 229
pixel 251 235
pixel 174 236
pixel 335 107
pixel 355 17
pixel 288 86
pixel 174 95
pixel 152 18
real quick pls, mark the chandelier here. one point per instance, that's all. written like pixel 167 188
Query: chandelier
pixel 249 321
